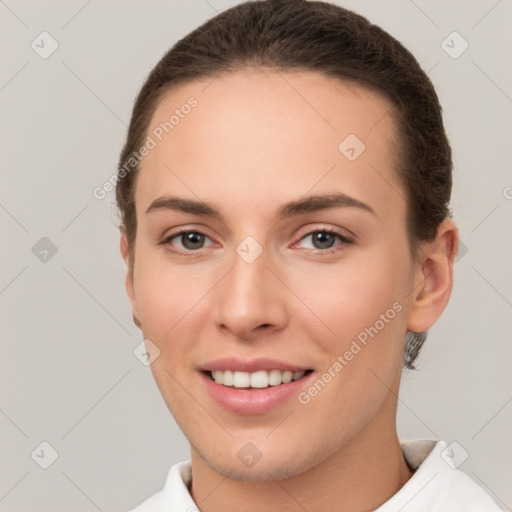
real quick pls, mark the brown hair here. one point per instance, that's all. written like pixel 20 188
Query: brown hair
pixel 333 41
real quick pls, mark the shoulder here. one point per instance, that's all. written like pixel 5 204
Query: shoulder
pixel 437 484
pixel 175 494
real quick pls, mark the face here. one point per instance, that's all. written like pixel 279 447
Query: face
pixel 294 264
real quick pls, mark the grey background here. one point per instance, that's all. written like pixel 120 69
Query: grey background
pixel 68 373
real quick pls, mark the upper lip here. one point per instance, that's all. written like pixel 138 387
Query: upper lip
pixel 251 365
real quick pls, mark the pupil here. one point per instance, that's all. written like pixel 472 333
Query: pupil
pixel 323 240
pixel 192 240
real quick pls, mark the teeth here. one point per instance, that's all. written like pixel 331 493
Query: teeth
pixel 260 379
pixel 240 379
pixel 227 378
pixel 274 377
pixel 287 377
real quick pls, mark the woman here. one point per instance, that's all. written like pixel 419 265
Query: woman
pixel 284 192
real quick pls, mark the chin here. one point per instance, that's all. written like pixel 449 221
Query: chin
pixel 261 472
pixel 270 467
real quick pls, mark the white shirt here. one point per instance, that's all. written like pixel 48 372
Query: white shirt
pixel 436 486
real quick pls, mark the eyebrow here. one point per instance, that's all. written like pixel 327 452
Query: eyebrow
pixel 304 205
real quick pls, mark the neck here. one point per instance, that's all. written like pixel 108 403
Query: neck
pixel 361 476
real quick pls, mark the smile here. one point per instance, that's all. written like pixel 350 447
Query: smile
pixel 259 379
pixel 254 392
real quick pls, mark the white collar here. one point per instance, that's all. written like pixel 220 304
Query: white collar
pixel 436 485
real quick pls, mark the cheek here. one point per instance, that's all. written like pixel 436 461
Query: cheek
pixel 362 351
pixel 361 333
pixel 348 298
pixel 167 295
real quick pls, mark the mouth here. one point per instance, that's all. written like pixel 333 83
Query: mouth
pixel 254 386
pixel 260 379
pixel 256 389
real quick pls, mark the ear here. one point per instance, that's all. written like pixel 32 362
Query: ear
pixel 129 281
pixel 433 278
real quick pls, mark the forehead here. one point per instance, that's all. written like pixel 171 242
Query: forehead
pixel 269 133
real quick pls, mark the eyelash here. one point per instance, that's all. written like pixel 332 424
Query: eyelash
pixel 323 252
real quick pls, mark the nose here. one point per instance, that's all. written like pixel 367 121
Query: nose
pixel 250 301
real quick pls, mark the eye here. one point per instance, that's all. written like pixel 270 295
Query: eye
pixel 324 240
pixel 186 241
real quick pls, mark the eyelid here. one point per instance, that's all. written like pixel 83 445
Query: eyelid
pixel 342 232
pixel 171 233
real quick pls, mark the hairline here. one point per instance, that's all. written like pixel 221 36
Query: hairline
pixel 353 83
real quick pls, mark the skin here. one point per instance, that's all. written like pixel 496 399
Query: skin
pixel 256 140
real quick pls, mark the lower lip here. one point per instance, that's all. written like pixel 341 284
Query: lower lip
pixel 253 401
